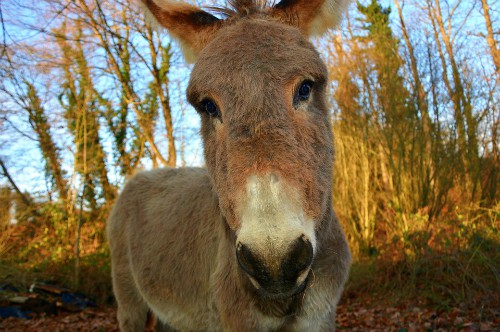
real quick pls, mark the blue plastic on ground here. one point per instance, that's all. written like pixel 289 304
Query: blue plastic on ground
pixel 16 312
pixel 77 299
pixel 8 287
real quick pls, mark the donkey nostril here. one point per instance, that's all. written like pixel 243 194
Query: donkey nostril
pixel 299 258
pixel 291 270
pixel 304 252
pixel 247 261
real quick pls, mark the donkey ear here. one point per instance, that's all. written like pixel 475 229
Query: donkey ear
pixel 313 17
pixel 191 26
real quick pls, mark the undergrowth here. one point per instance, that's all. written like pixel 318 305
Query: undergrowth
pixel 444 265
pixel 447 270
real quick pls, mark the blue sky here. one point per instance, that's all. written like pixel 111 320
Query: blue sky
pixel 22 154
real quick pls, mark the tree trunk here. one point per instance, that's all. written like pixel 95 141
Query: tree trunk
pixel 161 80
pixel 420 95
pixel 470 129
pixel 100 29
pixel 26 200
pixel 490 38
pixel 50 152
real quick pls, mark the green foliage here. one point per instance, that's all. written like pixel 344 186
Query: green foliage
pixel 166 55
pixel 376 20
pixel 48 235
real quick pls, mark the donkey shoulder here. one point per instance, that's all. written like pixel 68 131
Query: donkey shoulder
pixel 164 195
pixel 167 179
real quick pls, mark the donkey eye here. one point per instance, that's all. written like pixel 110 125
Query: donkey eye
pixel 209 107
pixel 304 91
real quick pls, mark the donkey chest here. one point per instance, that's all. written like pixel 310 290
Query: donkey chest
pixel 200 316
pixel 204 315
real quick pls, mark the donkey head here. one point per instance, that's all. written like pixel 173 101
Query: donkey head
pixel 259 86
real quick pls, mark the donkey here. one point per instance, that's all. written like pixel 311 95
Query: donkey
pixel 251 243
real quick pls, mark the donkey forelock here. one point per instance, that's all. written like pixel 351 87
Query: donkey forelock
pixel 243 7
pixel 194 28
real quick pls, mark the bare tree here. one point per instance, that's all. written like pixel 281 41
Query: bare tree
pixel 490 37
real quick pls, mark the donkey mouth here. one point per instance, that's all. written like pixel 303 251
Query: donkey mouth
pixel 280 290
pixel 284 279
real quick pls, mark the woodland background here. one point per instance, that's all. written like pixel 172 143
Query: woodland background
pixel 90 94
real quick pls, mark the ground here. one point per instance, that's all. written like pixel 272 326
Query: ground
pixel 352 315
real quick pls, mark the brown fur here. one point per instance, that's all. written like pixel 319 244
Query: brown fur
pixel 172 232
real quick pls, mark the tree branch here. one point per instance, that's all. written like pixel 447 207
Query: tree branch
pixel 6 173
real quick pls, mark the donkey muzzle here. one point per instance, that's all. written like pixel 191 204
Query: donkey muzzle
pixel 281 277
